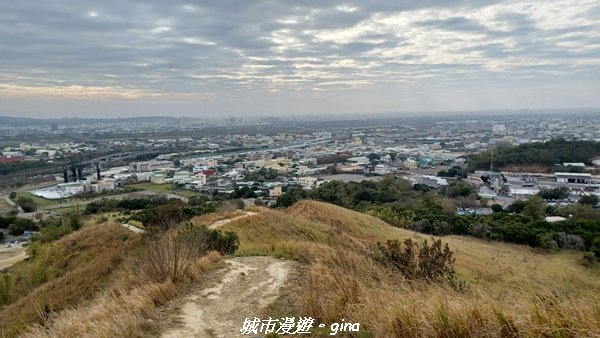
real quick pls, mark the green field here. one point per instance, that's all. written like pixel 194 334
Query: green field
pixel 163 188
pixel 39 201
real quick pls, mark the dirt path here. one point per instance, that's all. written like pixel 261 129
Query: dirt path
pixel 218 307
pixel 10 256
pixel 225 221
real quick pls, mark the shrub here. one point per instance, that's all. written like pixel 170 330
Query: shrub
pixel 589 259
pixel 416 261
pixel 170 255
pixel 27 204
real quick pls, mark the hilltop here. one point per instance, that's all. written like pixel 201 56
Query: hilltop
pixel 504 290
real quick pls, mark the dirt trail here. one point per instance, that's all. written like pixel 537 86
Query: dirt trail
pixel 218 307
pixel 225 221
pixel 10 256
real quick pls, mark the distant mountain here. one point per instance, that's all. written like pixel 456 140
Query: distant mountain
pixel 11 121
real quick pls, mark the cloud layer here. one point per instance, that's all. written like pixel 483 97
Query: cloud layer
pixel 350 56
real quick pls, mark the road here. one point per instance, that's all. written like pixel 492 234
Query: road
pixel 11 256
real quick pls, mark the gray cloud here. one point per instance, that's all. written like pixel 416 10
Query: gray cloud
pixel 216 52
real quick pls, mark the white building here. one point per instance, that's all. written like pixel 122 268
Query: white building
pixel 158 179
pixel 573 178
pixel 104 185
pixel 410 164
pixel 275 191
pixel 362 160
pixel 307 181
pixel 382 169
pixel 150 166
pixel 199 179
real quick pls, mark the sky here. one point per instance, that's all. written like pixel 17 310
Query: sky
pixel 61 58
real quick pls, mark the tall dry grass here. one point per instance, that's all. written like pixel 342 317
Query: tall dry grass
pixel 127 309
pixel 512 290
pixel 61 274
pixel 91 283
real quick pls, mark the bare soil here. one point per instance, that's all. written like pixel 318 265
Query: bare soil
pixel 10 256
pixel 218 305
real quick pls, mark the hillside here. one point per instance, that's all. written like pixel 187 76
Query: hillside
pixel 99 289
pixel 62 274
pixel 510 288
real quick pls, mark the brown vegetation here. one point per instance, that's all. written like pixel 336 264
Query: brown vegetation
pixel 508 290
pixel 94 282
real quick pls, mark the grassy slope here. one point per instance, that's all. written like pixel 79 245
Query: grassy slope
pixel 64 274
pixel 511 289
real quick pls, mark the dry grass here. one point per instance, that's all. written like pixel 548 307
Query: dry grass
pixel 64 273
pixel 512 290
pixel 88 284
pixel 127 309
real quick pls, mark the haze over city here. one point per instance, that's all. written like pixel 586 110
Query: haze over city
pixel 135 58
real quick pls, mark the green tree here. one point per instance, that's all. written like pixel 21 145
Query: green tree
pixel 589 200
pixel 497 208
pixel 285 201
pixel 27 204
pixel 516 207
pixel 535 207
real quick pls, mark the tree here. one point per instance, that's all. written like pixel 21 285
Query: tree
pixel 74 221
pixel 516 207
pixel 27 204
pixel 285 200
pixel 589 200
pixel 165 217
pixel 21 225
pixel 497 208
pixel 535 208
pixel 554 194
pixel 373 157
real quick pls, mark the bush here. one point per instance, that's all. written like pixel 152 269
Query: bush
pixel 27 204
pixel 20 225
pixel 497 208
pixel 416 261
pixel 170 255
pixel 589 259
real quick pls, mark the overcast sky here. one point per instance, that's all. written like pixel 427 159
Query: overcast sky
pixel 246 57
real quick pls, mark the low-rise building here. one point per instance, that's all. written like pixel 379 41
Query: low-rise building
pixel 307 181
pixel 150 166
pixel 158 179
pixel 275 192
pixel 410 164
pixel 381 169
pixel 573 178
